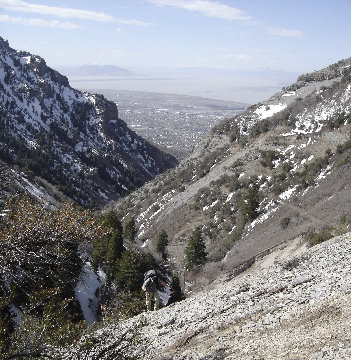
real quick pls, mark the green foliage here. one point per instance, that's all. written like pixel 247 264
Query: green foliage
pixel 129 230
pixel 252 202
pixel 344 147
pixel 307 177
pixel 161 243
pixel 287 167
pixel 337 121
pixel 196 250
pixel 284 223
pixel 227 244
pixel 109 248
pixel 177 294
pixel 268 157
pixel 50 326
pixel 316 238
pixel 115 250
pixel 123 306
pixel 111 219
pixel 130 270
pixel 39 256
pixel 260 127
pixel 39 247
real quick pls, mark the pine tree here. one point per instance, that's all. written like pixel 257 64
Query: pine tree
pixel 161 243
pixel 129 275
pixel 109 248
pixel 196 250
pixel 130 270
pixel 252 201
pixel 177 294
pixel 115 249
pixel 112 220
pixel 129 231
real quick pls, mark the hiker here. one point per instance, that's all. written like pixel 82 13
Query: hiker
pixel 151 282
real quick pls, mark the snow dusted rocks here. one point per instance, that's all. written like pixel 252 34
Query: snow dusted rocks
pixel 298 308
pixel 72 139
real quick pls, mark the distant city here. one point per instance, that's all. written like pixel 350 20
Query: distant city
pixel 172 122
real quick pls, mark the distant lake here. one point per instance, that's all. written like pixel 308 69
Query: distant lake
pixel 229 89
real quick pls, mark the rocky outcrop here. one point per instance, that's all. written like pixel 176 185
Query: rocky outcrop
pixel 295 307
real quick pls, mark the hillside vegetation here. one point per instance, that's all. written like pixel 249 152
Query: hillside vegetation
pixel 274 172
pixel 231 226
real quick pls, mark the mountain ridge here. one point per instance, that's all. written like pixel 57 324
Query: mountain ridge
pixel 73 139
pixel 288 146
pixel 96 70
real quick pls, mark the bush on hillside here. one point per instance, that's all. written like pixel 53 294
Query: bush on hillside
pixel 316 238
pixel 39 268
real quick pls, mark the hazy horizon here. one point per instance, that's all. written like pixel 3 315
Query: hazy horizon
pixel 247 87
pixel 234 35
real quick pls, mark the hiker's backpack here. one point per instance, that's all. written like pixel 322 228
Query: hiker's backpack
pixel 149 274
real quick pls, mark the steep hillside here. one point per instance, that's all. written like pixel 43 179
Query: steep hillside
pixel 294 304
pixel 14 182
pixel 279 170
pixel 72 139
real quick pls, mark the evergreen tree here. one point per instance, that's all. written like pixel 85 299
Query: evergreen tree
pixel 196 250
pixel 112 220
pixel 161 243
pixel 177 294
pixel 252 202
pixel 110 247
pixel 130 270
pixel 129 231
pixel 129 275
pixel 115 249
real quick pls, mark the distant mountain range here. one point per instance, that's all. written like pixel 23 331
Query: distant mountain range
pixel 72 139
pixel 95 70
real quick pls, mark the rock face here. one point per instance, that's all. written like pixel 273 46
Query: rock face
pixel 293 306
pixel 72 139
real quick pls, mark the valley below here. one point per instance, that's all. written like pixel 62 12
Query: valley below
pixel 173 122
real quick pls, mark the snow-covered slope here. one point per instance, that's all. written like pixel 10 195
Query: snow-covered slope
pixel 73 139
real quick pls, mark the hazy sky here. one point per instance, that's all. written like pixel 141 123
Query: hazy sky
pixel 296 36
pixel 299 35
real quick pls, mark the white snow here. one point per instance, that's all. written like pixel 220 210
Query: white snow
pixel 302 146
pixel 16 313
pixel 266 111
pixel 270 208
pixel 102 194
pixel 290 93
pixel 145 243
pixel 85 292
pixel 290 147
pixel 25 60
pixel 210 206
pixel 230 197
pixel 324 173
pixel 287 194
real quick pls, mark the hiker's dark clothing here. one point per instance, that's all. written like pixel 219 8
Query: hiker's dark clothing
pixel 151 293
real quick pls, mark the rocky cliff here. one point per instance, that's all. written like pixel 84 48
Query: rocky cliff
pixel 72 139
